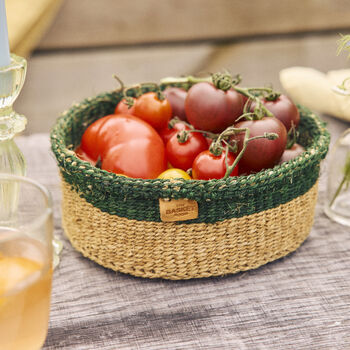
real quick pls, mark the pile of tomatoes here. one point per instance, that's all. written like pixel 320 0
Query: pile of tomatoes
pixel 204 133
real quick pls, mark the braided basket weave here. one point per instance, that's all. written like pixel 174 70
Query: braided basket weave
pixel 243 222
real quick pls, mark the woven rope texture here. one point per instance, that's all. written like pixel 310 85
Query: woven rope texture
pixel 183 251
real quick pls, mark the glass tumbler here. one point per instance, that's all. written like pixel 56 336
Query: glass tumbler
pixel 25 263
pixel 337 205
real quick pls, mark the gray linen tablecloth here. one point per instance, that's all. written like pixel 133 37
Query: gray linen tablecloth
pixel 299 302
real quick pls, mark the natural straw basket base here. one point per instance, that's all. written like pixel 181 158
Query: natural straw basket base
pixel 182 251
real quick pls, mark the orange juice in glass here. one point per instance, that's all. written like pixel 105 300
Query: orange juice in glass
pixel 25 263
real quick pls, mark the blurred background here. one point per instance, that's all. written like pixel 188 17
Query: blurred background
pixel 74 47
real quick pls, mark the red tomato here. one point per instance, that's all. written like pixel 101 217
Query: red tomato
pixel 211 109
pixel 122 107
pixel 83 156
pixel 138 158
pixel 207 166
pixel 120 128
pixel 90 139
pixel 182 155
pixel 152 110
pixel 284 110
pixel 143 153
pixel 176 96
pixel 166 133
pixel 291 153
pixel 111 129
pixel 261 153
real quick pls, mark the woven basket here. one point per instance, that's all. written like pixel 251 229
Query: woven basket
pixel 243 222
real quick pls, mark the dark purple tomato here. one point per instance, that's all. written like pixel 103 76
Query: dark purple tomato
pixel 285 110
pixel 261 153
pixel 291 153
pixel 176 98
pixel 211 109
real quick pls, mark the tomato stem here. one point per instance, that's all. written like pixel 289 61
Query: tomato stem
pixel 246 116
pixel 292 136
pixel 182 136
pixel 269 136
pixel 260 110
pixel 226 159
pixel 128 101
pixel 232 148
pixel 229 169
pixel 224 81
pixel 138 88
pixel 121 83
pixel 189 80
pixel 216 148
pixel 207 133
pixel 175 120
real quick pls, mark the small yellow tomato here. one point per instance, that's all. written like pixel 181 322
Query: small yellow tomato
pixel 174 173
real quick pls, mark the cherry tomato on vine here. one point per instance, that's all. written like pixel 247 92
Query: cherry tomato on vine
pixel 261 153
pixel 182 154
pixel 291 153
pixel 167 132
pixel 176 96
pixel 122 107
pixel 174 174
pixel 211 109
pixel 152 110
pixel 284 110
pixel 207 166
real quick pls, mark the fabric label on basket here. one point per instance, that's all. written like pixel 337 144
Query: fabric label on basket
pixel 177 209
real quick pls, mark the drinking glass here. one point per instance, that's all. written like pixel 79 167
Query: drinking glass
pixel 25 262
pixel 337 205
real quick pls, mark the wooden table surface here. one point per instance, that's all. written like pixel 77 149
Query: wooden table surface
pixel 299 302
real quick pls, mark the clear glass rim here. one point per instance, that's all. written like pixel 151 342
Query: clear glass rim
pixel 38 185
pixel 4 177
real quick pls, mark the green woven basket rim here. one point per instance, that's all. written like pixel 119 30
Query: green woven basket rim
pixel 72 166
